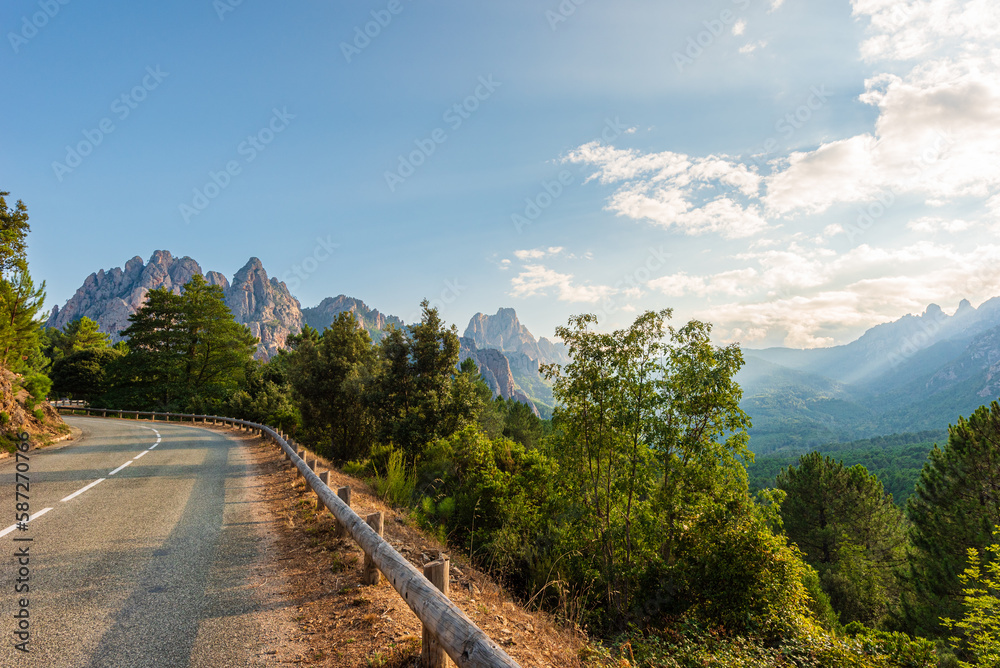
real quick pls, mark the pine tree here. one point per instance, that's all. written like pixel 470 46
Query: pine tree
pixel 13 231
pixel 20 302
pixel 184 351
pixel 850 531
pixel 954 508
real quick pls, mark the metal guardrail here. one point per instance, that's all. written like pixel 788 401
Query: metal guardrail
pixel 453 631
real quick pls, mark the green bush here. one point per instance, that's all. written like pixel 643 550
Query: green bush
pixel 39 414
pixel 690 644
pixel 38 386
pixel 4 417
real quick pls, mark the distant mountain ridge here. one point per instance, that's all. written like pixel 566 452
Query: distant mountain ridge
pixel 507 355
pixel 918 372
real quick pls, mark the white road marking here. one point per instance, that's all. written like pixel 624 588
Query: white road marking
pixel 121 467
pixel 139 455
pixel 14 526
pixel 84 489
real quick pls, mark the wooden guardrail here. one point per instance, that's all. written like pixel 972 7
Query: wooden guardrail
pixel 447 630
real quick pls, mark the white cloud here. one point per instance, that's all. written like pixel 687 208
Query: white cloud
pixel 740 27
pixel 732 283
pixel 536 280
pixel 750 47
pixel 537 253
pixel 932 224
pixel 672 190
pixel 807 298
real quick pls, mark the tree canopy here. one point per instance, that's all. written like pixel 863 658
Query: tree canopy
pixel 184 351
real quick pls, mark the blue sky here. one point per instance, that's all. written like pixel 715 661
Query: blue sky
pixel 794 172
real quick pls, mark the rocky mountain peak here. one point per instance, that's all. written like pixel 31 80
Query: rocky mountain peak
pixel 505 332
pixel 110 297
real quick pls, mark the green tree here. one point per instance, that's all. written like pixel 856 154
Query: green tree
pixel 850 531
pixel 20 302
pixel 84 374
pixel 415 390
pixel 953 509
pixel 980 624
pixel 184 351
pixel 14 229
pixel 81 334
pixel 331 375
pixel 648 439
pixel 266 395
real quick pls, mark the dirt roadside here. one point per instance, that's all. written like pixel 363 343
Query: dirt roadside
pixel 339 622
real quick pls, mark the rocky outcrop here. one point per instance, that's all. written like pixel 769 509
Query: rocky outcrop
pixel 505 332
pixel 322 316
pixel 110 297
pixel 265 306
pixel 17 415
pixel 494 367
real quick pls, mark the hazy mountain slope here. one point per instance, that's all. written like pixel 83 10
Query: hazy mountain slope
pixel 793 409
pixel 917 373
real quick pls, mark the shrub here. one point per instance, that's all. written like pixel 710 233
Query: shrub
pixel 38 386
pixel 397 481
pixel 4 417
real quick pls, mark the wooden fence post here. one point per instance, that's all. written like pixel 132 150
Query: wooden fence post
pixel 432 654
pixel 301 454
pixel 371 574
pixel 345 495
pixel 325 479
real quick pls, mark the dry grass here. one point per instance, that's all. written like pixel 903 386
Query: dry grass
pixel 346 624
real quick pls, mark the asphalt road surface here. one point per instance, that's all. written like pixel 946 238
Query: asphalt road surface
pixel 155 565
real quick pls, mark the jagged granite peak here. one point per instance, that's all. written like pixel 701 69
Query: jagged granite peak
pixel 265 306
pixel 495 369
pixel 505 332
pixel 110 297
pixel 322 316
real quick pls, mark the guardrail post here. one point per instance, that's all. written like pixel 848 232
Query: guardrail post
pixel 345 495
pixel 312 463
pixel 325 479
pixel 301 454
pixel 432 654
pixel 371 574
